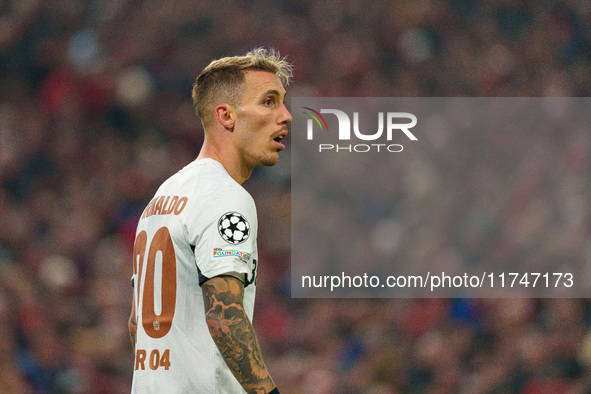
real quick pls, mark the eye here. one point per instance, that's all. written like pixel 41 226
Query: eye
pixel 268 102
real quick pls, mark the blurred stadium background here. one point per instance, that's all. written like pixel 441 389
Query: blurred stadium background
pixel 95 113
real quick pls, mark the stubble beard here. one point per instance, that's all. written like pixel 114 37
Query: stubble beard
pixel 269 161
pixel 265 159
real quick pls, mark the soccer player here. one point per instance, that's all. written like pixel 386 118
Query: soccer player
pixel 195 252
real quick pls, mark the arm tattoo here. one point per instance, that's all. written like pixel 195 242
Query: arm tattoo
pixel 233 334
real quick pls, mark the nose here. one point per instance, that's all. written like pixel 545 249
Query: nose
pixel 285 117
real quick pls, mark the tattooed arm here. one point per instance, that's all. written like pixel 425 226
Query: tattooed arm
pixel 233 334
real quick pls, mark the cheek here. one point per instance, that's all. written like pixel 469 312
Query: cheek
pixel 258 126
pixel 260 122
pixel 255 127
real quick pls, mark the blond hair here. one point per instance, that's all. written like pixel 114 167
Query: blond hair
pixel 221 80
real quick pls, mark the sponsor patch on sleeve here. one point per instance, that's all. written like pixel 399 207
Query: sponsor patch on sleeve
pixel 244 256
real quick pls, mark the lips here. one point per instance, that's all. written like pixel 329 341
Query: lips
pixel 278 137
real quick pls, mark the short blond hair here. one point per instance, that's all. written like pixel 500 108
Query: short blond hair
pixel 221 80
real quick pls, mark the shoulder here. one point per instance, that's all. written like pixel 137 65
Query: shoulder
pixel 233 198
pixel 206 180
pixel 220 186
pixel 212 193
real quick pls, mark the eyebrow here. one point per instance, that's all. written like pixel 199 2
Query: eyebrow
pixel 273 92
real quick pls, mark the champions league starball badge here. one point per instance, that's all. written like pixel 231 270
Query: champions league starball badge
pixel 233 228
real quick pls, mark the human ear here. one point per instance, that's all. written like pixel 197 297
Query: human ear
pixel 224 115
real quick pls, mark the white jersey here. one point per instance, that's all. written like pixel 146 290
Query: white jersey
pixel 200 224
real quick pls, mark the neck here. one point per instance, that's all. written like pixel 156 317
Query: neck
pixel 229 160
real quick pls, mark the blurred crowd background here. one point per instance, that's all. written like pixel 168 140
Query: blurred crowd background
pixel 95 113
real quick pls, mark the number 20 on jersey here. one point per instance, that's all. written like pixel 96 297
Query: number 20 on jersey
pixel 155 325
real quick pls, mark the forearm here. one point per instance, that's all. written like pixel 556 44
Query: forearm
pixel 233 334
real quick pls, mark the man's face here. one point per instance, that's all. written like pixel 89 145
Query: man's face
pixel 262 118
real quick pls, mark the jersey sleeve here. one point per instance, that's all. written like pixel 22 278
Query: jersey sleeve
pixel 227 243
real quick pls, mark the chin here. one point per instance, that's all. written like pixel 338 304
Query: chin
pixel 270 160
